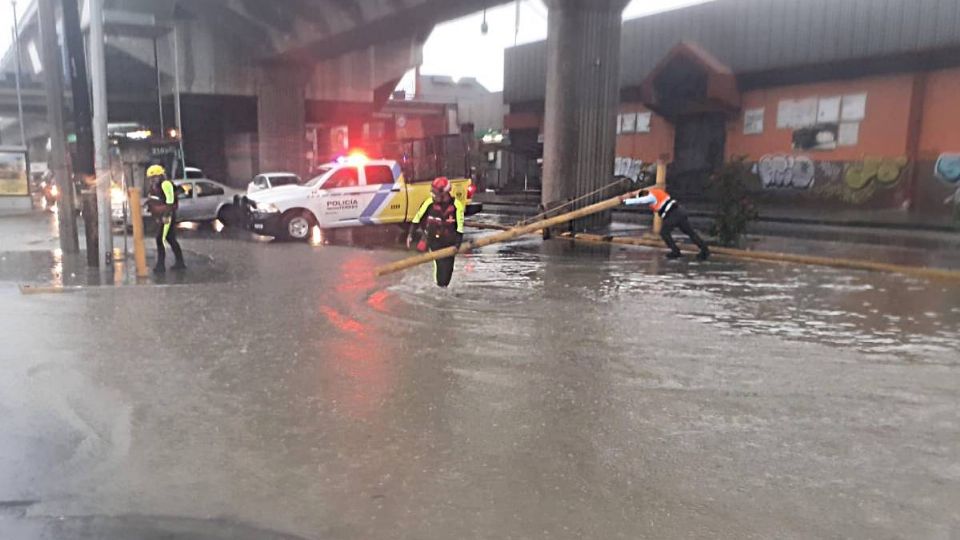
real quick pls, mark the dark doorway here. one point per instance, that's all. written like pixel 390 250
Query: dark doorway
pixel 698 151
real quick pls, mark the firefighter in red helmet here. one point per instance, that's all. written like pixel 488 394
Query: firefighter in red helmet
pixel 439 224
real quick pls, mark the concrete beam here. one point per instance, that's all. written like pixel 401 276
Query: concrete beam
pixel 234 26
pixel 414 20
pixel 278 16
pixel 350 8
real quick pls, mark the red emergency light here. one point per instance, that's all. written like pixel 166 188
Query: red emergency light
pixel 355 157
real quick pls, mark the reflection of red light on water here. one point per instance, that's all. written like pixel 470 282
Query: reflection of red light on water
pixel 378 300
pixel 341 321
pixel 356 274
pixel 357 366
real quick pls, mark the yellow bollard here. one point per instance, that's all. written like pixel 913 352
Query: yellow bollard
pixel 139 252
pixel 661 184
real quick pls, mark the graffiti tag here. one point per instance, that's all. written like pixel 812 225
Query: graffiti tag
pixel 624 166
pixel 948 168
pixel 786 171
pixel 885 172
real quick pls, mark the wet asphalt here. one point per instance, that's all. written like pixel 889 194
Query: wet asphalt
pixel 279 390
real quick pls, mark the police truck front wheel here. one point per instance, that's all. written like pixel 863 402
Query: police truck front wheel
pixel 297 226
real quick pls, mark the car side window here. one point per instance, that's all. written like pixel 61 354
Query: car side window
pixel 260 182
pixel 208 189
pixel 378 174
pixel 345 177
pixel 184 191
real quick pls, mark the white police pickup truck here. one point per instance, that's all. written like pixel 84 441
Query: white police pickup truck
pixel 351 192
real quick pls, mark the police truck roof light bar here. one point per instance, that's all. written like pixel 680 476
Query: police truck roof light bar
pixel 354 158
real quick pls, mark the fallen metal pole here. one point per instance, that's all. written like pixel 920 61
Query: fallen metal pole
pixel 942 274
pixel 504 236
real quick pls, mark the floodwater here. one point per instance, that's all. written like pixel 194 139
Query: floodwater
pixel 554 391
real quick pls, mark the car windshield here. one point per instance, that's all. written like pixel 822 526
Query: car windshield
pixel 284 180
pixel 322 173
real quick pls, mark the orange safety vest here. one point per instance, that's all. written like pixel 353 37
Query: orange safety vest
pixel 663 204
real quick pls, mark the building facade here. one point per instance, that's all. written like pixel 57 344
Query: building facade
pixel 843 107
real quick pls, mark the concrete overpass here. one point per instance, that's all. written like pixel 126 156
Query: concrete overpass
pixel 255 74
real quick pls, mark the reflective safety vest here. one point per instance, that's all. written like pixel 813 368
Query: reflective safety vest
pixel 441 221
pixel 663 203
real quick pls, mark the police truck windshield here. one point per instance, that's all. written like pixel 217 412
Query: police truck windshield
pixel 321 174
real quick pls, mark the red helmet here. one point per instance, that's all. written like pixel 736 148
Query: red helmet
pixel 441 185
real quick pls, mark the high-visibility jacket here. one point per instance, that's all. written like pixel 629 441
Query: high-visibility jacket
pixel 441 220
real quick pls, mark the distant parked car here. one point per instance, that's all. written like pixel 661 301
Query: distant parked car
pixel 204 200
pixel 271 180
pixel 193 173
pixel 212 201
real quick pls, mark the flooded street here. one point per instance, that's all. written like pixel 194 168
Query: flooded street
pixel 554 391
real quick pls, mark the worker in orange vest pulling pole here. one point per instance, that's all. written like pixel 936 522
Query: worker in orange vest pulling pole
pixel 673 216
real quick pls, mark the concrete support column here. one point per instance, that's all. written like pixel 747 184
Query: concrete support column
pixel 281 115
pixel 583 96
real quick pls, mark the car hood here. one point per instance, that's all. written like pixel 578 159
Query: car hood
pixel 279 193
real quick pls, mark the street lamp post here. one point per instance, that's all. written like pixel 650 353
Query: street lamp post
pixel 16 40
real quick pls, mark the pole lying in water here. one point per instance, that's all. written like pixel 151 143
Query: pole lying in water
pixel 504 236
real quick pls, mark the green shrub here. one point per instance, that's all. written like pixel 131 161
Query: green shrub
pixel 735 209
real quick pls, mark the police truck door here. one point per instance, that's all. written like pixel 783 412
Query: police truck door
pixel 340 198
pixel 383 197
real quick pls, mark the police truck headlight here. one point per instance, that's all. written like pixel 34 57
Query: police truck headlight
pixel 267 208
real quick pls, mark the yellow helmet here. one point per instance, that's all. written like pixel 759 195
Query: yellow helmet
pixel 156 170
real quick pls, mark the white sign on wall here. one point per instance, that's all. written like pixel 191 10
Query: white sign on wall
pixel 848 134
pixel 753 121
pixel 643 122
pixel 854 107
pixel 828 112
pixel 797 113
pixel 628 167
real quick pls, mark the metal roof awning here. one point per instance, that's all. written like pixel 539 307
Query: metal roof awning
pixel 690 80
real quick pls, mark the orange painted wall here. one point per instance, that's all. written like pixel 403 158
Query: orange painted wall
pixel 883 132
pixel 646 147
pixel 940 131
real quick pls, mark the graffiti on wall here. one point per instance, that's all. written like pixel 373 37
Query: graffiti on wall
pixel 884 171
pixel 854 182
pixel 628 167
pixel 778 171
pixel 948 168
pixel 859 181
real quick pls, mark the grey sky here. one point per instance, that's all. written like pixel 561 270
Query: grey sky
pixel 6 21
pixel 457 48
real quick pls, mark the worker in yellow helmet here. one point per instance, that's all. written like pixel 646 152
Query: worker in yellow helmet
pixel 163 207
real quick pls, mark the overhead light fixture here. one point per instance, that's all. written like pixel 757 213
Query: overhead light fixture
pixel 484 27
